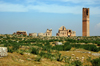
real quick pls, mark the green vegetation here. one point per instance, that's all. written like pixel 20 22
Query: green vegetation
pixel 96 62
pixel 77 63
pixel 86 47
pixel 45 47
pixel 35 51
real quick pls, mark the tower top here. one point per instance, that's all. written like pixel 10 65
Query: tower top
pixel 85 8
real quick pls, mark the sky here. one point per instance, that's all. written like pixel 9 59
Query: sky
pixel 36 16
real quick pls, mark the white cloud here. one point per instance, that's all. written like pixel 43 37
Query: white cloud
pixel 83 1
pixel 55 9
pixel 48 8
pixel 98 25
pixel 7 7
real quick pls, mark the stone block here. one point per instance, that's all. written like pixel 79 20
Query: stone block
pixel 3 51
pixel 58 43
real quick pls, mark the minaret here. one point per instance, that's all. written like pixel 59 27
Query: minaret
pixel 85 22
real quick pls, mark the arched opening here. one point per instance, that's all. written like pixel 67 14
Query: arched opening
pixel 69 30
pixel 86 11
pixel 63 27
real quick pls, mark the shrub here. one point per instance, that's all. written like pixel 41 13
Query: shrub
pixel 46 55
pixel 91 48
pixel 10 50
pixel 89 59
pixel 96 62
pixel 15 46
pixel 21 52
pixel 76 45
pixel 86 47
pixel 99 48
pixel 98 43
pixel 66 48
pixel 42 53
pixel 38 59
pixel 35 51
pixel 59 58
pixel 77 63
pixel 58 47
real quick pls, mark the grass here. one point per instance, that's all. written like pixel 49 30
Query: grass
pixel 16 59
pixel 21 60
pixel 22 55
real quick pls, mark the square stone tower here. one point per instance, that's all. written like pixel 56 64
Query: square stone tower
pixel 85 22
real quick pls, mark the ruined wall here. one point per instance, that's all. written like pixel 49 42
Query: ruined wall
pixel 20 33
pixel 73 33
pixel 63 32
pixel 40 34
pixel 33 34
pixel 48 33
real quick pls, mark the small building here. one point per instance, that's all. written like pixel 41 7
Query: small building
pixel 33 34
pixel 63 32
pixel 48 33
pixel 21 33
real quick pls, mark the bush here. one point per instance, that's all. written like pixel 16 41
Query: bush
pixel 66 48
pixel 35 51
pixel 96 62
pixel 59 58
pixel 38 59
pixel 20 52
pixel 10 50
pixel 91 48
pixel 77 63
pixel 89 59
pixel 42 53
pixel 46 55
pixel 15 46
pixel 86 47
pixel 99 48
pixel 76 45
pixel 58 47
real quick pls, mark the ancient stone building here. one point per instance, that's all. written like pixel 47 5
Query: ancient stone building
pixel 21 33
pixel 65 32
pixel 85 22
pixel 48 33
pixel 41 34
pixel 33 34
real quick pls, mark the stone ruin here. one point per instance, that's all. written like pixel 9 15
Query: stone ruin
pixel 3 51
pixel 20 33
pixel 33 34
pixel 48 33
pixel 63 32
pixel 58 43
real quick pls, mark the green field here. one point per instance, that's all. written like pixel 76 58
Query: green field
pixel 42 51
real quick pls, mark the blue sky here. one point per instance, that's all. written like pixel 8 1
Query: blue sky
pixel 39 15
